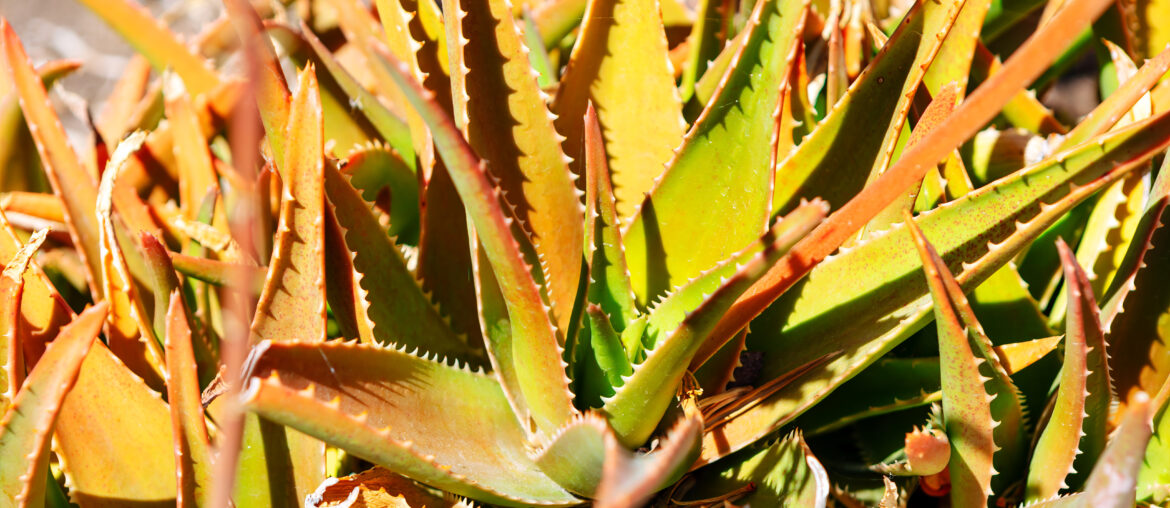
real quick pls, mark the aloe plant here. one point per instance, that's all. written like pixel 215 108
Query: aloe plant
pixel 610 252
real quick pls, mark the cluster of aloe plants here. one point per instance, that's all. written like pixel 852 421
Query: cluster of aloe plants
pixel 621 252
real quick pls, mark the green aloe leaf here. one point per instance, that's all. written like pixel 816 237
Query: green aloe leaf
pixel 27 426
pixel 724 163
pixel 704 43
pixel 391 298
pixel 530 360
pixel 491 80
pixel 982 410
pixel 620 65
pixel 409 414
pixel 677 327
pixel 377 171
pixel 856 141
pixel 575 456
pixel 784 473
pixel 1076 430
pixel 609 277
pixel 897 384
pixel 912 166
pixel 607 351
pixel 1034 198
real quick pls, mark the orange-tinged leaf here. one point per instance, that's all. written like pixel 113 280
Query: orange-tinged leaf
pixel 192 449
pixel 271 93
pixel 941 106
pixel 69 179
pixel 292 305
pixel 42 310
pixel 396 24
pixel 113 436
pixel 27 426
pixel 11 340
pixel 197 175
pixel 620 64
pixel 121 103
pixel 155 41
pixel 1018 355
pixel 20 168
pixel 34 204
pixel 131 335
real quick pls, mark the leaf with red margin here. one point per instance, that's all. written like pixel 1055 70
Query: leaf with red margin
pixel 537 364
pixel 1077 427
pixel 192 447
pixel 983 413
pixel 404 412
pixel 502 110
pixel 630 479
